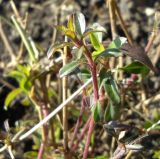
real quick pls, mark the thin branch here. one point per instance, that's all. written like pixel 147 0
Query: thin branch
pixel 122 23
pixel 6 43
pixel 112 16
pixel 91 128
pixel 85 128
pixel 79 120
pixel 154 32
pixel 14 8
pixel 25 39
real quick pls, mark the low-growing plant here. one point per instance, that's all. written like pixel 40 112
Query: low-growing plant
pixel 88 52
pixel 87 58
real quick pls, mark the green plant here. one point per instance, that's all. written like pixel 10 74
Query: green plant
pixel 97 62
pixel 88 59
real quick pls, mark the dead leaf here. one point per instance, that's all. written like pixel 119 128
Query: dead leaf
pixel 138 53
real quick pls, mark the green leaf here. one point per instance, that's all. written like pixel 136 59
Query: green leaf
pixel 22 73
pixel 95 29
pixel 25 84
pixel 30 155
pixel 90 31
pixel 70 24
pixel 61 28
pixel 24 69
pixel 85 75
pixel 107 114
pixel 156 154
pixel 97 111
pixel 111 112
pixel 117 43
pixel 96 41
pixel 71 34
pixel 68 68
pixel 55 47
pixel 102 77
pixel 52 93
pixel 113 49
pixel 26 101
pixel 101 157
pixel 80 23
pixel 17 75
pixel 147 124
pixel 138 53
pixel 78 52
pixel 114 111
pixel 11 96
pixel 97 26
pixel 113 52
pixel 111 88
pixel 136 67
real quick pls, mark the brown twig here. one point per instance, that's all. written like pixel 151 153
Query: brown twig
pixel 124 28
pixel 20 52
pixel 154 32
pixel 7 43
pixel 16 13
pixel 156 57
pixel 46 108
pixel 129 154
pixel 9 85
pixel 44 132
pixel 112 16
pixel 122 23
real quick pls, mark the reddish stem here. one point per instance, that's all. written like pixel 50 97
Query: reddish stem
pixel 96 96
pixel 95 83
pixel 82 134
pixel 44 112
pixel 41 150
pixel 92 65
pixel 91 127
pixel 78 122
